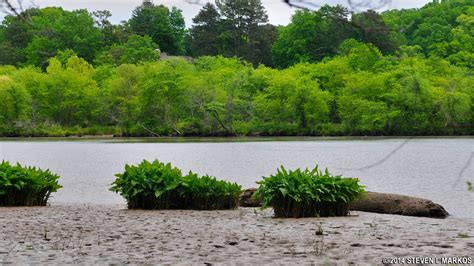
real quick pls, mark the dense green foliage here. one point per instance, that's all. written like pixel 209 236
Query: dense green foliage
pixel 148 185
pixel 166 27
pixel 239 29
pixel 233 28
pixel 312 36
pixel 137 49
pixel 308 193
pixel 441 28
pixel 402 72
pixel 26 186
pixel 51 30
pixel 360 93
pixel 208 193
pixel 157 185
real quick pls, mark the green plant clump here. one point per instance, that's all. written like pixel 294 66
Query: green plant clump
pixel 26 186
pixel 156 185
pixel 208 193
pixel 308 193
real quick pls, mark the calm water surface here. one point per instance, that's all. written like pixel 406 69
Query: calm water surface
pixel 436 168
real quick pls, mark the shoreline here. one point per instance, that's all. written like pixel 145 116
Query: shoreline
pixel 84 233
pixel 224 139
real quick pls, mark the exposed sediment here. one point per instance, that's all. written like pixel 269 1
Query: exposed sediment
pixel 90 234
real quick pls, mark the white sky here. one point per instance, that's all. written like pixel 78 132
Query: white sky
pixel 278 12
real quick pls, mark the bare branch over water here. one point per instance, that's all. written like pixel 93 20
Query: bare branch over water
pixel 16 8
pixel 354 5
pixel 383 159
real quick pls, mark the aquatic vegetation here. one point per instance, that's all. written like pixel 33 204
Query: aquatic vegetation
pixel 208 193
pixel 308 193
pixel 26 186
pixel 156 185
pixel 148 185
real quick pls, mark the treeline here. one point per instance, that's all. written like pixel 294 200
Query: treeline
pixel 360 92
pixel 328 72
pixel 235 29
pixel 441 28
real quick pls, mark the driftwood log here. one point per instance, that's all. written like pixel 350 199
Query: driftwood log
pixel 399 204
pixel 378 203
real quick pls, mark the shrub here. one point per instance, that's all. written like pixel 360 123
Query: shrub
pixel 308 193
pixel 26 186
pixel 157 185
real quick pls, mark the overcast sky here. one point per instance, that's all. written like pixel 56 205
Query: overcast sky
pixel 278 12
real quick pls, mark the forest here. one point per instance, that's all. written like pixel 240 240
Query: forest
pixel 329 72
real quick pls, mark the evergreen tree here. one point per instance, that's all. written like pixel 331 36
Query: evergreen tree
pixel 233 28
pixel 241 19
pixel 372 29
pixel 204 35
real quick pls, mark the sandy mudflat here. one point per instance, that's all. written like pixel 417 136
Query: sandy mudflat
pixel 110 234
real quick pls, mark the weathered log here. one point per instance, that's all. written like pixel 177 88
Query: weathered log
pixel 398 204
pixel 376 202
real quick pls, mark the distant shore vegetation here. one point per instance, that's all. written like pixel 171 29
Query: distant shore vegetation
pixel 327 73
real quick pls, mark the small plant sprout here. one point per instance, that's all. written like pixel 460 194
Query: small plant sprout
pixel 319 229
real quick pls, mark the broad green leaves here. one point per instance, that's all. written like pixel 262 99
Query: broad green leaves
pixel 299 193
pixel 155 185
pixel 26 186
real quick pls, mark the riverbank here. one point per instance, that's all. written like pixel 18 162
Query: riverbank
pixel 91 234
pixel 111 138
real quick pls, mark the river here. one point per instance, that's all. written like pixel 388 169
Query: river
pixel 433 168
